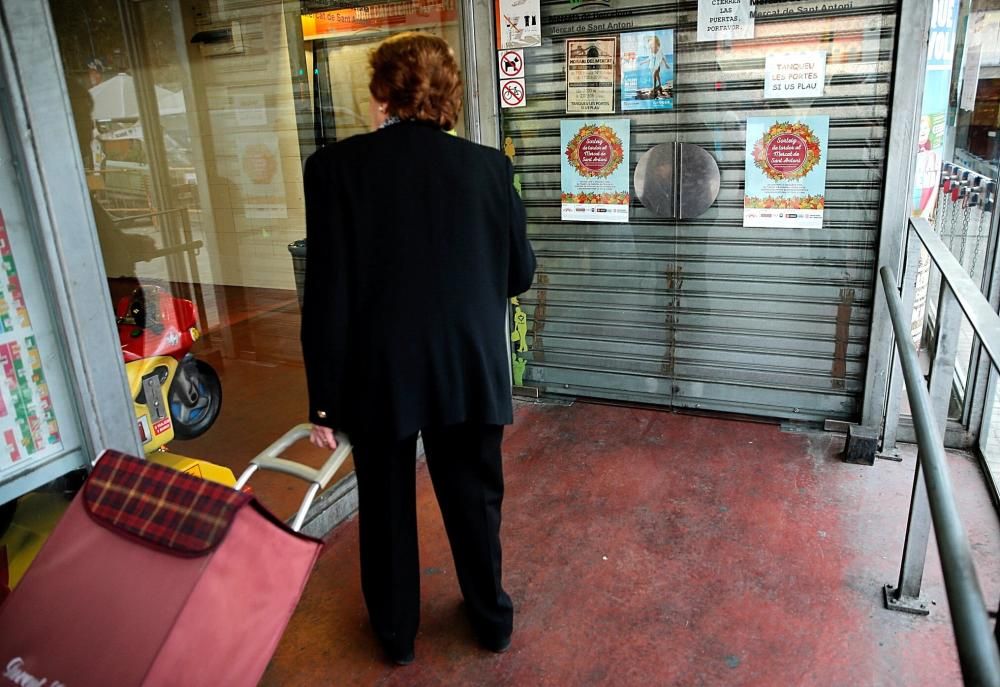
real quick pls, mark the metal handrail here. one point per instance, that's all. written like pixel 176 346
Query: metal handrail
pixel 977 648
pixel 148 215
pixel 976 308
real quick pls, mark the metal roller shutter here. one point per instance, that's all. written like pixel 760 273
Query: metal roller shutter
pixel 704 313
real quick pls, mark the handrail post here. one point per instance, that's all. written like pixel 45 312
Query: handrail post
pixel 905 596
pixel 911 268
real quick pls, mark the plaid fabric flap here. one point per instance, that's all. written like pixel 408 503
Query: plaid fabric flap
pixel 169 509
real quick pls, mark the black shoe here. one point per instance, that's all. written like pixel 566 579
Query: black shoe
pixel 496 646
pixel 401 657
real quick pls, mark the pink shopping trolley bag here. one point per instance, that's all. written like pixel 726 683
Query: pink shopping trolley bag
pixel 154 577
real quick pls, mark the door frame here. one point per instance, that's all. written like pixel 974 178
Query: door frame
pixel 35 102
pixel 880 406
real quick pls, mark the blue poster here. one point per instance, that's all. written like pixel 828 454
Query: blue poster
pixel 594 169
pixel 647 62
pixel 785 171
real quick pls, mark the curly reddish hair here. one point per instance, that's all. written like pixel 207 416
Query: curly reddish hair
pixel 417 77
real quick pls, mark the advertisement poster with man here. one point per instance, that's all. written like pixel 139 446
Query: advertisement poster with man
pixel 785 171
pixel 594 169
pixel 647 64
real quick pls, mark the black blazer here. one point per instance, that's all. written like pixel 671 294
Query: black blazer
pixel 415 241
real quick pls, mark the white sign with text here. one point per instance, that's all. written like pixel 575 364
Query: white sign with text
pixel 795 75
pixel 725 19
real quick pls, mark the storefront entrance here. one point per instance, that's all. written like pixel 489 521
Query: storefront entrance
pixel 757 300
pixel 729 278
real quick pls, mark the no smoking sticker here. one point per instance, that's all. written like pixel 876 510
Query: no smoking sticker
pixel 511 64
pixel 512 93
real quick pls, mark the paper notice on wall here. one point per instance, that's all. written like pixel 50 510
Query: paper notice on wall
pixel 262 181
pixel 970 77
pixel 250 109
pixel 594 169
pixel 512 93
pixel 785 171
pixel 518 24
pixel 590 75
pixel 725 19
pixel 795 75
pixel 28 426
pixel 511 71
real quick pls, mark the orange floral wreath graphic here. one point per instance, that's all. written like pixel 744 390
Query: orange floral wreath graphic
pixel 787 134
pixel 259 163
pixel 608 136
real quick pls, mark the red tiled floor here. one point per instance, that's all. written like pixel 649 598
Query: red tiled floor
pixel 649 548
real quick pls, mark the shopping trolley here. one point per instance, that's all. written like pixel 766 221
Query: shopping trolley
pixel 157 577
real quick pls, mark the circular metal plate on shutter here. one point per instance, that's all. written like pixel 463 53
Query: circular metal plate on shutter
pixel 677 180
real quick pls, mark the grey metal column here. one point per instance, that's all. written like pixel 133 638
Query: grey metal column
pixel 891 427
pixel 904 128
pixel 479 44
pixel 53 175
pixel 906 595
pixel 152 139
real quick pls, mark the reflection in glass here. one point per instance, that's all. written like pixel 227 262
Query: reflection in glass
pixel 957 174
pixel 194 121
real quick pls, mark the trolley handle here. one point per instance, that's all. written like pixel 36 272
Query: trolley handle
pixel 270 459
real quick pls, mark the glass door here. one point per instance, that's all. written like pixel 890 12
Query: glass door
pixel 195 120
pixel 587 93
pixel 956 190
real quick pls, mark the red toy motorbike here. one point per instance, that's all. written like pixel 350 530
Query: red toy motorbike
pixel 175 394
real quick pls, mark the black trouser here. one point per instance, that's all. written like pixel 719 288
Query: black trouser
pixel 467 474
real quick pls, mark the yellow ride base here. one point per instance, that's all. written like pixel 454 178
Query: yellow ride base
pixel 193 466
pixel 36 517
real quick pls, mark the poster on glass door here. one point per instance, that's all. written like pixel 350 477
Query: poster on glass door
pixel 725 19
pixel 786 171
pixel 590 75
pixel 647 61
pixel 518 24
pixel 28 427
pixel 262 182
pixel 594 169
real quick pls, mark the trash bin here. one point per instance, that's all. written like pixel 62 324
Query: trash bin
pixel 298 251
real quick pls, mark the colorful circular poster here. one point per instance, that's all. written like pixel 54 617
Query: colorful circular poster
pixel 787 150
pixel 259 163
pixel 595 151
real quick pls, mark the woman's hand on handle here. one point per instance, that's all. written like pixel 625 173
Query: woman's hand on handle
pixel 323 437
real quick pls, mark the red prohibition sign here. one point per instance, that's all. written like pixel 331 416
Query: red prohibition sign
pixel 512 93
pixel 511 64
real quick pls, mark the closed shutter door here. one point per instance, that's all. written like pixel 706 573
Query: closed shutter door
pixel 704 313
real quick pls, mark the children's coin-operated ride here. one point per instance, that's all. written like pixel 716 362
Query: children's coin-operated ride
pixel 175 394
